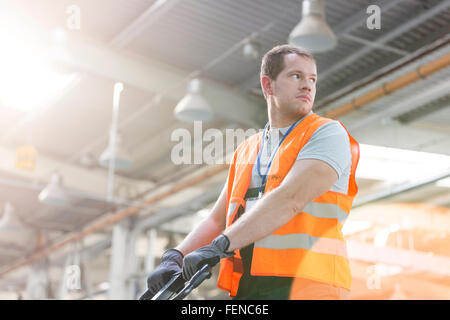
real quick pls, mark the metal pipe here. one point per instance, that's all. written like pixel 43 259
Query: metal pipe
pixel 397 32
pixel 118 87
pixel 114 218
pixel 390 87
pixel 390 69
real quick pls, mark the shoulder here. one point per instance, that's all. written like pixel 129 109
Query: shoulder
pixel 330 136
pixel 330 143
pixel 331 128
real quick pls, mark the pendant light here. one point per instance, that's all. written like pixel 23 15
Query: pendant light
pixel 54 193
pixel 120 155
pixel 193 106
pixel 313 33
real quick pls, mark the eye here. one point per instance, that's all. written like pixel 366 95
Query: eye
pixel 313 80
pixel 296 75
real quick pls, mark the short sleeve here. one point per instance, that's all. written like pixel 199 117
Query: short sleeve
pixel 331 144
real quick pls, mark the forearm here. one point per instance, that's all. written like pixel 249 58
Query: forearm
pixel 270 213
pixel 202 235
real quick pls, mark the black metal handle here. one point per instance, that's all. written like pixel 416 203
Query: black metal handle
pixel 176 288
pixel 172 287
pixel 200 276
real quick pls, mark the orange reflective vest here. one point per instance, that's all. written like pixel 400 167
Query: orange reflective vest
pixel 311 244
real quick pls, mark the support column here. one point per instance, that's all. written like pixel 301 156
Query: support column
pixel 123 262
pixel 149 263
pixel 38 284
pixel 150 258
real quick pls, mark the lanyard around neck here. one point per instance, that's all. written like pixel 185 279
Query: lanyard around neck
pixel 264 177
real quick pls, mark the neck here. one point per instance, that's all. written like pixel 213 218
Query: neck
pixel 279 120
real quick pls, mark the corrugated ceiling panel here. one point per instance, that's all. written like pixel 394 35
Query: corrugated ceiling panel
pixel 104 19
pixel 205 30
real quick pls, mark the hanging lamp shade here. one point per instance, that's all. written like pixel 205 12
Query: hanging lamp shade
pixel 13 233
pixel 120 155
pixel 313 33
pixel 54 193
pixel 193 106
pixel 251 50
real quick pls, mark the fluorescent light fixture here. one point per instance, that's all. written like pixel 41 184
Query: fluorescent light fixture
pixel 193 107
pixel 312 32
pixel 395 165
pixel 54 193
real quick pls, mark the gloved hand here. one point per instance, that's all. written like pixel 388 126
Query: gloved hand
pixel 210 254
pixel 171 263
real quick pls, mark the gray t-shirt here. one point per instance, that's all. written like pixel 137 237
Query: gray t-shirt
pixel 329 143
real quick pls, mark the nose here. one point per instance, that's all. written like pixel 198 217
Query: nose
pixel 306 86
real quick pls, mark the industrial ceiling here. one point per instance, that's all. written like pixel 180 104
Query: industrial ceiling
pixel 154 48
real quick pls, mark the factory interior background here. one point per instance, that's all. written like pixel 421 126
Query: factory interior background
pixel 93 187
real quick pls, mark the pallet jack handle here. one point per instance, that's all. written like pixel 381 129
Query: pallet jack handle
pixel 176 288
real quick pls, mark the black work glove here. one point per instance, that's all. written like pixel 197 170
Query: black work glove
pixel 210 255
pixel 171 263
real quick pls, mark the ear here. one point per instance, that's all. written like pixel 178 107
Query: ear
pixel 266 85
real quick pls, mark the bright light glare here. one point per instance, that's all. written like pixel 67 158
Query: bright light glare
pixel 398 165
pixel 351 226
pixel 381 238
pixel 26 81
pixel 103 286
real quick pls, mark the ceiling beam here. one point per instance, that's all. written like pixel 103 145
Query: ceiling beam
pixel 89 182
pixel 346 26
pixel 104 222
pixel 414 101
pixel 184 209
pixel 159 79
pixel 396 32
pixel 143 22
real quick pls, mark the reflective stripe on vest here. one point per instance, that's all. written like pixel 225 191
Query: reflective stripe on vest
pixel 326 210
pixel 304 241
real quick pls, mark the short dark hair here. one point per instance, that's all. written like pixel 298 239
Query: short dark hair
pixel 273 61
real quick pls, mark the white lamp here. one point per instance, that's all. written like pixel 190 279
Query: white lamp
pixel 121 158
pixel 313 33
pixel 54 193
pixel 13 233
pixel 193 106
pixel 251 50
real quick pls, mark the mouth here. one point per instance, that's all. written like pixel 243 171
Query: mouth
pixel 304 97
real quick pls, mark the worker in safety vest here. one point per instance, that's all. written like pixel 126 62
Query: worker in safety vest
pixel 276 227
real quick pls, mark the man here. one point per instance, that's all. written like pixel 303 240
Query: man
pixel 276 227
